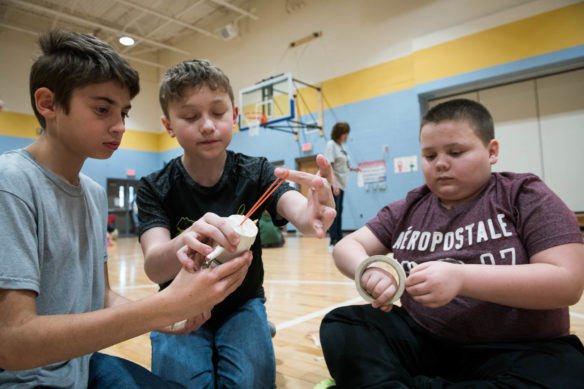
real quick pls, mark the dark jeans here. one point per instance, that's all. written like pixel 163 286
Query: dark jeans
pixel 336 230
pixel 106 371
pixel 367 348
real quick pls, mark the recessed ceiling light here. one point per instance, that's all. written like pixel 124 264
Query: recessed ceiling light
pixel 126 41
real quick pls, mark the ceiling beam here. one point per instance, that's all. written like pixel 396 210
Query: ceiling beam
pixel 128 57
pixel 168 18
pixel 97 25
pixel 19 29
pixel 166 23
pixel 235 8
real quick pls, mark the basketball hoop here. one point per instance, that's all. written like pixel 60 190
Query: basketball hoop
pixel 254 120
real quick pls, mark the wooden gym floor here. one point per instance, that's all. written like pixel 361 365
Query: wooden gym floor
pixel 301 284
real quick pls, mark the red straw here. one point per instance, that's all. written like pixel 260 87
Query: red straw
pixel 265 196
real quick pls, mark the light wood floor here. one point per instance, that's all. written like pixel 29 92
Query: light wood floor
pixel 301 284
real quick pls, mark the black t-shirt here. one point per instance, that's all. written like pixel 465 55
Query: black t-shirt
pixel 171 199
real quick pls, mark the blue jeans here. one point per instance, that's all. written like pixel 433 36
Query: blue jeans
pixel 237 354
pixel 336 230
pixel 106 371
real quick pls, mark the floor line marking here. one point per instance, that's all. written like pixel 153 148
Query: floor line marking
pixel 312 315
pixel 578 315
pixel 301 282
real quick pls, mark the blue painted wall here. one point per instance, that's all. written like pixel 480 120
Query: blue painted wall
pixel 391 120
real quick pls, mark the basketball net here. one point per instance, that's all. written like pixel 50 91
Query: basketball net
pixel 254 120
pixel 254 127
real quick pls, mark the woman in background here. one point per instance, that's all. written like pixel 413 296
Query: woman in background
pixel 339 160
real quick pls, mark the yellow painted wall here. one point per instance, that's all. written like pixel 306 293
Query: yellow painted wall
pixel 548 32
pixel 18 124
pixel 545 33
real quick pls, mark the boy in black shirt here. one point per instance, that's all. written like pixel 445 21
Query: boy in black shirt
pixel 182 205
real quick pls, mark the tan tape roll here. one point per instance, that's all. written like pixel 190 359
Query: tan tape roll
pixel 401 274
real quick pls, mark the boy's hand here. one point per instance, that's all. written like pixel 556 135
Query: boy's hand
pixel 193 293
pixel 188 326
pixel 381 285
pixel 320 211
pixel 199 237
pixel 325 170
pixel 336 190
pixel 435 283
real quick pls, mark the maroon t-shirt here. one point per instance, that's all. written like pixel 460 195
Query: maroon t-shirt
pixel 515 217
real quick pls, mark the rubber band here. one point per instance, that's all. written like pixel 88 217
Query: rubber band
pixel 265 196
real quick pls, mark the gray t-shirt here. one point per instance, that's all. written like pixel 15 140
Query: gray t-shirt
pixel 339 159
pixel 515 217
pixel 53 239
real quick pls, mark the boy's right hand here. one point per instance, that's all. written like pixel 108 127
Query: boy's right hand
pixel 381 285
pixel 192 293
pixel 199 237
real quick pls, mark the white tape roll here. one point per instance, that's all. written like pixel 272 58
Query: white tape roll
pixel 401 274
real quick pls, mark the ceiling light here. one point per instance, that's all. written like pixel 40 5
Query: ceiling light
pixel 126 41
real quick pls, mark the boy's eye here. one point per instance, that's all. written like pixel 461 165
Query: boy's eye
pixel 430 157
pixel 101 110
pixel 456 153
pixel 125 115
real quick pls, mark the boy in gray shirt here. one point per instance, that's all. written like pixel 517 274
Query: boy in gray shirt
pixel 56 303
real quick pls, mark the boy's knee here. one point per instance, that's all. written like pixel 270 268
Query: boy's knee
pixel 350 315
pixel 258 374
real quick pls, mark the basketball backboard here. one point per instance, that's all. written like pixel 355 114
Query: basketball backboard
pixel 267 102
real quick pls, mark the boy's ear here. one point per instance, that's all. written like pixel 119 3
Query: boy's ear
pixel 235 114
pixel 44 100
pixel 166 124
pixel 493 148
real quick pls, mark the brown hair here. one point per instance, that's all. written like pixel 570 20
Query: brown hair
pixel 340 129
pixel 192 73
pixel 71 60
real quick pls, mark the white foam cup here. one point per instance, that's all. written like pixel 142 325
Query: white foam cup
pixel 247 235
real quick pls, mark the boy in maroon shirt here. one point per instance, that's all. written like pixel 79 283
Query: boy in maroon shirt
pixel 496 313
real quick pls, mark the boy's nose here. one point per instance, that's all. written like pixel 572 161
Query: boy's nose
pixel 119 125
pixel 442 162
pixel 208 125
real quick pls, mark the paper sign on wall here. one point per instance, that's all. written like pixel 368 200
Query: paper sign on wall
pixel 405 164
pixel 370 172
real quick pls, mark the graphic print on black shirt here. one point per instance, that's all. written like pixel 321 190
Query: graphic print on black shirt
pixel 171 199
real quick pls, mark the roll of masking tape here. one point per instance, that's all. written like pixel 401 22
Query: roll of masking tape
pixel 401 274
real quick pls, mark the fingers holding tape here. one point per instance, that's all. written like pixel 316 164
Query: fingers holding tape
pixel 401 275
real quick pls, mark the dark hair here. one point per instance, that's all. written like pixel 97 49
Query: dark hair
pixel 477 116
pixel 71 60
pixel 192 73
pixel 340 129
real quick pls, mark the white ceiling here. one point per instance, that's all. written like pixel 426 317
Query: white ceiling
pixel 154 24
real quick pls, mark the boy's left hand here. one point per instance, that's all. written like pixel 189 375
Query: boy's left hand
pixel 434 284
pixel 321 204
pixel 188 326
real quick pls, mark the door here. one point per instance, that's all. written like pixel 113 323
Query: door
pixel 121 196
pixel 308 165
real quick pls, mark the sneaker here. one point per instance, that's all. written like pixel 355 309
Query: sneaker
pixel 328 383
pixel 272 328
